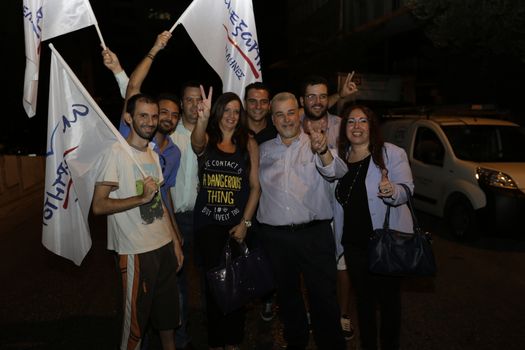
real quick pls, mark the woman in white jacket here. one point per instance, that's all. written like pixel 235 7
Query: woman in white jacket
pixel 376 171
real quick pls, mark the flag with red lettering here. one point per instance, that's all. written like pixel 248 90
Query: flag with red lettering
pixel 225 34
pixel 77 136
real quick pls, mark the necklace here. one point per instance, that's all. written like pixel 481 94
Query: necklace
pixel 338 187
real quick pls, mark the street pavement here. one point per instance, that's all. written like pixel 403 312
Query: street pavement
pixel 47 302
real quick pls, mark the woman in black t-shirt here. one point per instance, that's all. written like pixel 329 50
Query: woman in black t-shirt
pixel 226 200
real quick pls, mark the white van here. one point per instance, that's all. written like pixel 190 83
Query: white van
pixel 468 170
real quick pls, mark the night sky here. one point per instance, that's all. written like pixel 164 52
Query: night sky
pixel 130 34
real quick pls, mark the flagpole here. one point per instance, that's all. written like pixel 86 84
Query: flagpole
pixel 92 14
pixel 106 121
pixel 100 36
pixel 184 13
pixel 175 25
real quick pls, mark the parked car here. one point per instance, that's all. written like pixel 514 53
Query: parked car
pixel 468 170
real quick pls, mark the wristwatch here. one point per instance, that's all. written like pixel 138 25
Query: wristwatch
pixel 248 223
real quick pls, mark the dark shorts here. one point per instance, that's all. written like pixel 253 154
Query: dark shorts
pixel 149 283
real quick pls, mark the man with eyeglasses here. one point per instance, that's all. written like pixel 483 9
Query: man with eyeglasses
pixel 257 106
pixel 316 101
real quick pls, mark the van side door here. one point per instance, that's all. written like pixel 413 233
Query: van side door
pixel 427 163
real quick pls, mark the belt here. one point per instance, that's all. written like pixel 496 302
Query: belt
pixel 295 227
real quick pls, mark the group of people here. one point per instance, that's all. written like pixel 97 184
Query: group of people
pixel 306 185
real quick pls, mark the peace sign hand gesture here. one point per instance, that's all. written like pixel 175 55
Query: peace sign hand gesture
pixel 349 87
pixel 204 106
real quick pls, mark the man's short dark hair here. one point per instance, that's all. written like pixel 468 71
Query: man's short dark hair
pixel 189 84
pixel 132 102
pixel 170 97
pixel 312 80
pixel 256 86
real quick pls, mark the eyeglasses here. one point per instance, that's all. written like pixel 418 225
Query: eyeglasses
pixel 357 120
pixel 314 97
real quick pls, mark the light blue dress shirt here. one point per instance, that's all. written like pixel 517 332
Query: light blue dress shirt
pixel 295 186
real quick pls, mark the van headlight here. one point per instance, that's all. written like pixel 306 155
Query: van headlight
pixel 495 178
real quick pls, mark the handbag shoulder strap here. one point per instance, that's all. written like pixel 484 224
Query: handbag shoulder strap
pixel 226 253
pixel 410 204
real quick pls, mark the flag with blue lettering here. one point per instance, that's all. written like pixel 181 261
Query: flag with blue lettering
pixel 32 34
pixel 225 34
pixel 77 136
pixel 43 20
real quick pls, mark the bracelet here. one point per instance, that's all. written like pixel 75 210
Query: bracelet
pixel 322 153
pixel 150 56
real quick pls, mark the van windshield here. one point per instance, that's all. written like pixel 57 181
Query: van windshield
pixel 487 143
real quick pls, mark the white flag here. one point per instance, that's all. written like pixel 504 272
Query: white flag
pixel 225 34
pixel 64 16
pixel 78 134
pixel 33 34
pixel 46 19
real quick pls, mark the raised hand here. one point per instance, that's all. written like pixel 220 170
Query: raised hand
pixel 320 125
pixel 162 40
pixel 110 60
pixel 386 189
pixel 160 43
pixel 349 87
pixel 318 139
pixel 204 106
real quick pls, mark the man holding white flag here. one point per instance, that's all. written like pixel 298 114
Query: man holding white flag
pixel 43 20
pixel 225 34
pixel 140 229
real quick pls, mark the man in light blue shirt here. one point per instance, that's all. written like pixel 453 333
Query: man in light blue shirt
pixel 295 211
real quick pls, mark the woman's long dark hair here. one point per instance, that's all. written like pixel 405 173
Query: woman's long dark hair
pixel 376 143
pixel 240 135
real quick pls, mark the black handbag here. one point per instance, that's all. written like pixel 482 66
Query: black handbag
pixel 397 253
pixel 237 281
